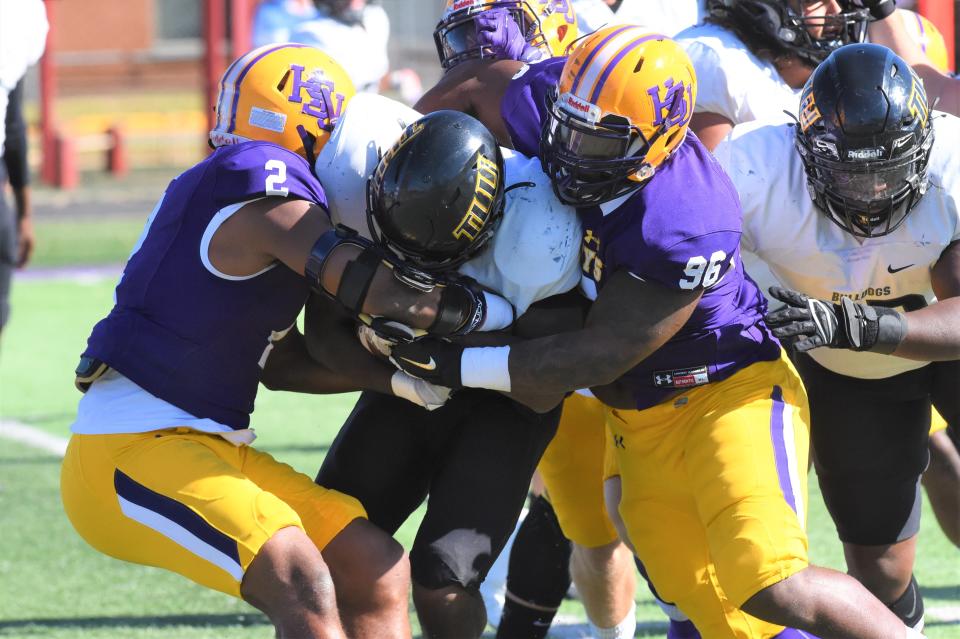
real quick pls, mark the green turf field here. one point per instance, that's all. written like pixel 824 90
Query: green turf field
pixel 53 585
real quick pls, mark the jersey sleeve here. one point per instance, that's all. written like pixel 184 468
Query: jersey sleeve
pixel 523 106
pixel 761 160
pixel 713 91
pixel 254 170
pixel 694 263
pixel 683 230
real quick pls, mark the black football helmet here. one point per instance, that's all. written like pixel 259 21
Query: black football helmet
pixel 865 135
pixel 783 28
pixel 436 196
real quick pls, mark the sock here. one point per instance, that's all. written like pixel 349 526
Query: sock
pixel 623 630
pixel 909 607
pixel 521 622
pixel 539 572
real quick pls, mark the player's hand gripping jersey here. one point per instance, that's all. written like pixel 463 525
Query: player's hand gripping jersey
pixel 891 270
pixel 681 230
pixel 183 331
pixel 533 254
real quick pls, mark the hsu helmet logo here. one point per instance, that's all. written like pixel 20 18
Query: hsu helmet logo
pixel 674 109
pixel 325 103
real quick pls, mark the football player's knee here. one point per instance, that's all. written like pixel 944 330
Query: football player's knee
pixel 289 571
pixel 460 558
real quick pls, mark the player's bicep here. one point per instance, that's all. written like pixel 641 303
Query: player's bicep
pixel 635 317
pixel 711 128
pixel 288 229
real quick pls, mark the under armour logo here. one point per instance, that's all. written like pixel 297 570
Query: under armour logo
pixel 664 379
pixel 618 442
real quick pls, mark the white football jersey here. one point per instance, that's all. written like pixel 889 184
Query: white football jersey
pixel 361 49
pixel 809 253
pixel 668 17
pixel 732 81
pixel 534 253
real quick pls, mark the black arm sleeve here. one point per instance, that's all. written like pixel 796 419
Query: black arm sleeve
pixel 15 146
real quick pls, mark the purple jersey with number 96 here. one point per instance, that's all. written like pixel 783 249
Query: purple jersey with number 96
pixel 183 331
pixel 682 231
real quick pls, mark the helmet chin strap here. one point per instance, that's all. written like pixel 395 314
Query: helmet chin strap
pixel 309 142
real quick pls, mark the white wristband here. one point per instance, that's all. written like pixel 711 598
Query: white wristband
pixel 486 367
pixel 499 313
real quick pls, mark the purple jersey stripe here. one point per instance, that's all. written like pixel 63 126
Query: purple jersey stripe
pixel 236 86
pixel 593 54
pixel 176 512
pixel 780 447
pixel 613 63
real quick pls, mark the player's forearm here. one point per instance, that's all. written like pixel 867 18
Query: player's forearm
pixel 933 333
pixel 570 361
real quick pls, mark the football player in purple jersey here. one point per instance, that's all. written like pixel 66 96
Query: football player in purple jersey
pixel 159 469
pixel 708 418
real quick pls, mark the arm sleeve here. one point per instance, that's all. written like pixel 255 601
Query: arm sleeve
pixel 15 149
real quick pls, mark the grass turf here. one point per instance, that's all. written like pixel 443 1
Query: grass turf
pixel 53 586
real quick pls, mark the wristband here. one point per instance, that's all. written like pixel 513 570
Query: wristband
pixel 486 367
pixel 499 315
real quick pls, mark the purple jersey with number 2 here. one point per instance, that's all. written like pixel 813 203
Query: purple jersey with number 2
pixel 186 334
pixel 682 231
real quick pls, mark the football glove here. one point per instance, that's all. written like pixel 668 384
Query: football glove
pixel 879 9
pixel 433 360
pixel 499 33
pixel 379 335
pixel 807 323
pixel 419 391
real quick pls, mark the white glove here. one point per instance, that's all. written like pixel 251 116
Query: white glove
pixel 379 335
pixel 418 391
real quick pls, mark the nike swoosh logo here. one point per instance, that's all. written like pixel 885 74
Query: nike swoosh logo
pixel 890 268
pixel 428 366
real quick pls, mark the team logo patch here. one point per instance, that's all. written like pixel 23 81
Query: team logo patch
pixel 269 120
pixel 488 177
pixel 809 112
pixel 681 377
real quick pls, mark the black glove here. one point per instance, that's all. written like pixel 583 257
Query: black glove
pixel 879 9
pixel 808 323
pixel 433 360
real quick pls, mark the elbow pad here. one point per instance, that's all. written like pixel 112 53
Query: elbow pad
pixel 358 273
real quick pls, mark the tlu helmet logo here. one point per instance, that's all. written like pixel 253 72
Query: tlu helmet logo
pixel 324 104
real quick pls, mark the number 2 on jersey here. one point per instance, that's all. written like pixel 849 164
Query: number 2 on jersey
pixel 274 180
pixel 700 271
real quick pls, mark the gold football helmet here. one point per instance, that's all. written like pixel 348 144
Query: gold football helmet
pixel 288 94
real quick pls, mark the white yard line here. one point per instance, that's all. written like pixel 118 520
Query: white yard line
pixel 31 436
pixel 565 626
